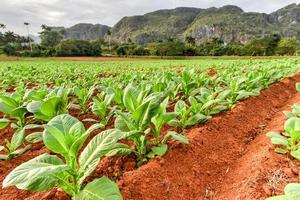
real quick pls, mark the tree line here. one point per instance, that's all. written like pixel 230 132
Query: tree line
pixel 53 44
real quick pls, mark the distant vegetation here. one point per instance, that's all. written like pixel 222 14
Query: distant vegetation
pixel 54 44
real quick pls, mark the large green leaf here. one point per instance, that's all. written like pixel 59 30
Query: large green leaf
pixel 179 137
pixel 195 119
pixel 130 98
pixel 99 146
pixel 7 104
pixel 17 139
pixel 34 106
pixel 49 107
pixel 100 189
pixel 36 174
pixel 160 150
pixel 61 133
pixel 292 126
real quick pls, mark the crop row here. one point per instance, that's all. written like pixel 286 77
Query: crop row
pixel 139 104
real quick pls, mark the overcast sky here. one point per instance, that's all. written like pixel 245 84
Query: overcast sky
pixel 13 13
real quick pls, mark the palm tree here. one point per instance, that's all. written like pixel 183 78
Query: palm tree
pixel 2 26
pixel 27 27
pixel 109 38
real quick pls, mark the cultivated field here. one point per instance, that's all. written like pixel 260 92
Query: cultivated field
pixel 147 129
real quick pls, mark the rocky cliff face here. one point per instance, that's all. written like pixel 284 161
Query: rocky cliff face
pixel 158 25
pixel 84 31
pixel 229 23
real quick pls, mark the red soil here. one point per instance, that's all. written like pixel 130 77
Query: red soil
pixel 201 169
pixel 229 157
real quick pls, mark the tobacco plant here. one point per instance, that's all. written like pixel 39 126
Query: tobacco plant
pixel 65 136
pixel 14 115
pixel 101 107
pixel 289 140
pixel 185 116
pixel 83 95
pixel 159 145
pixel 55 103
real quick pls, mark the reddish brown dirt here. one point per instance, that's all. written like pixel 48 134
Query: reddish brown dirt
pixel 226 153
pixel 260 172
pixel 199 170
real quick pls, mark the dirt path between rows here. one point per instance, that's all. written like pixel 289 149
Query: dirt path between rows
pixel 226 159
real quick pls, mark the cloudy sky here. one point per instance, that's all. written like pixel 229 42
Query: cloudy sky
pixel 13 13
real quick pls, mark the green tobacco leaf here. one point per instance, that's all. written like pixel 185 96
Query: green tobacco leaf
pixel 296 154
pixel 98 147
pixel 61 133
pixel 198 118
pixel 129 98
pixel 34 137
pixel 49 107
pixel 4 123
pixel 34 106
pixel 293 191
pixel 160 150
pixel 7 104
pixel 273 134
pixel 100 189
pixel 36 174
pixel 119 149
pixel 289 114
pixel 281 151
pixel 17 139
pixel 180 106
pixel 279 141
pixel 179 137
pixel 292 126
pixel 18 152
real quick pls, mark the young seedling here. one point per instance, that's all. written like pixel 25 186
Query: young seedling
pixel 289 141
pixel 65 136
pixel 185 116
pixel 81 102
pixel 54 104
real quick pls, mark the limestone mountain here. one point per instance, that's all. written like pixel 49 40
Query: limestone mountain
pixel 229 23
pixel 84 31
pixel 158 25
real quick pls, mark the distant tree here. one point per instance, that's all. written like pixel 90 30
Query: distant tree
pixel 257 47
pixel 168 48
pixel 27 27
pixel 212 47
pixel 78 48
pixel 10 49
pixel 49 37
pixel 109 39
pixel 273 41
pixel 288 46
pixel 190 40
pixel 234 49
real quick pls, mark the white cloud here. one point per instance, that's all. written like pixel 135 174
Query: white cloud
pixel 69 12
